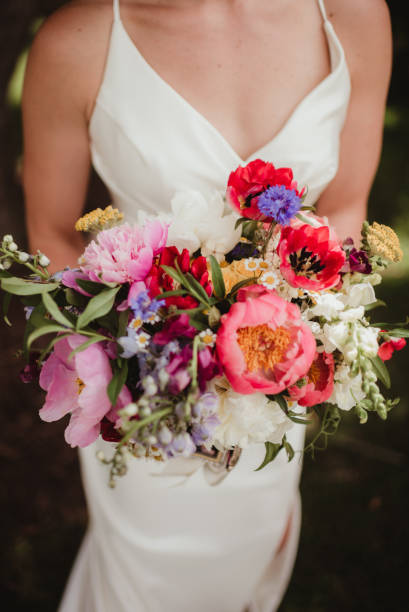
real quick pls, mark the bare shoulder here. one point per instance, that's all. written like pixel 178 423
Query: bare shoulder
pixel 68 53
pixel 364 29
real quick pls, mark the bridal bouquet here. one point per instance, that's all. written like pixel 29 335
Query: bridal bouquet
pixel 206 330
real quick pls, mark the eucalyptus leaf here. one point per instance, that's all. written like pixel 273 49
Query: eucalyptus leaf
pixel 117 382
pixel 54 311
pixel 272 451
pixel 97 307
pixel 18 286
pixel 217 278
pixel 381 371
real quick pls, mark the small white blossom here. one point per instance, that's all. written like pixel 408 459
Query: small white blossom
pixel 6 264
pixel 23 257
pixel 43 261
pixel 12 247
pixel 7 238
pixel 347 390
pixel 208 337
pixel 368 340
pixel 251 264
pixel 270 279
pixel 149 386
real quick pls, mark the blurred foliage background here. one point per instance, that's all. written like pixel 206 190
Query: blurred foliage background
pixel 354 545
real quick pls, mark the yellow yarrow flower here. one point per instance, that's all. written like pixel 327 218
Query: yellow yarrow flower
pixel 383 241
pixel 99 219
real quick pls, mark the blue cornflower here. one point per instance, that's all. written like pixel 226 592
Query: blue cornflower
pixel 279 203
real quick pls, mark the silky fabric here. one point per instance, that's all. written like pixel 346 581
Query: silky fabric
pixel 176 537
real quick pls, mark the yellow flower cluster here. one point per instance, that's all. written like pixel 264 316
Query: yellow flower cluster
pixel 383 241
pixel 99 219
pixel 240 270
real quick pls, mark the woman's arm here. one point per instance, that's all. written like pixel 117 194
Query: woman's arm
pixel 365 33
pixel 61 82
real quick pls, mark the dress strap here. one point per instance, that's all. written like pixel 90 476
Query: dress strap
pixel 117 14
pixel 322 9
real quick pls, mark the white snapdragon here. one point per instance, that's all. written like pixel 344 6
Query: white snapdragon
pixel 347 389
pixel 360 294
pixel 247 419
pixel 327 305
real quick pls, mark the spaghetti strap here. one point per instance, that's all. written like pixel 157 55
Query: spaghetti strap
pixel 322 9
pixel 117 14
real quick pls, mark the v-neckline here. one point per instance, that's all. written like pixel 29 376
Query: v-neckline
pixel 336 65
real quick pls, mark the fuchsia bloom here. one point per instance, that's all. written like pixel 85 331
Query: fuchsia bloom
pixel 247 183
pixel 124 254
pixel 320 382
pixel 311 257
pixel 387 349
pixel 78 386
pixel 262 344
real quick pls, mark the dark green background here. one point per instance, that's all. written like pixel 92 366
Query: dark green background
pixel 354 546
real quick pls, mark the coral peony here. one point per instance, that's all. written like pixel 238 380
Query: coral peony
pixel 311 257
pixel 78 386
pixel 124 254
pixel 247 183
pixel 319 384
pixel 262 344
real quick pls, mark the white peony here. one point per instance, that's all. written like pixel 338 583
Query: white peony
pixel 347 390
pixel 199 222
pixel 247 419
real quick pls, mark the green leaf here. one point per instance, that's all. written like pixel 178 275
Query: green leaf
pixel 374 305
pixel 381 371
pixel 18 286
pixel 280 401
pixel 175 293
pixel 54 311
pixel 5 274
pixel 75 299
pixel 288 449
pixel 85 345
pixel 272 451
pixel 197 287
pixel 97 307
pixel 122 323
pixel 117 382
pixel 93 287
pixel 42 331
pixel 398 333
pixel 217 278
pixel 240 221
pixel 6 304
pixel 177 276
pixel 51 344
pixel 243 283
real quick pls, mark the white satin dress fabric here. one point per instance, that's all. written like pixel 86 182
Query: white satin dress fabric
pixel 167 538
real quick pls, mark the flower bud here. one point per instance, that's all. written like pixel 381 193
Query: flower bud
pixel 130 410
pixel 44 261
pixel 23 257
pixel 12 247
pixel 6 264
pixel 165 435
pixel 145 411
pixel 7 238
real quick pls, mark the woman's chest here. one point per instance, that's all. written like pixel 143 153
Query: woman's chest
pixel 244 71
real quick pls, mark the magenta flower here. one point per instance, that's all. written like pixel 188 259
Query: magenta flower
pixel 174 329
pixel 78 386
pixel 124 254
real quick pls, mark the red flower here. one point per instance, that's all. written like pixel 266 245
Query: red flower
pixel 246 183
pixel 158 281
pixel 320 382
pixel 311 257
pixel 387 349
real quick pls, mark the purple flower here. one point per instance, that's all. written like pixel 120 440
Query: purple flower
pixel 182 445
pixel 242 250
pixel 175 328
pixel 279 203
pixel 31 372
pixel 144 308
pixel 359 262
pixel 208 367
pixel 205 419
pixel 178 371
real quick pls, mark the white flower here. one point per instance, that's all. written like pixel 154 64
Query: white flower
pixel 23 257
pixel 335 336
pixel 7 238
pixel 43 261
pixel 352 314
pixel 347 391
pixel 270 279
pixel 247 419
pixel 360 294
pixel 199 222
pixel 12 247
pixel 327 305
pixel 208 337
pixel 368 340
pixel 251 264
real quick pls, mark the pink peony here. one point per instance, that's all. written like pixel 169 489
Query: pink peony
pixel 311 257
pixel 78 386
pixel 262 344
pixel 124 254
pixel 320 382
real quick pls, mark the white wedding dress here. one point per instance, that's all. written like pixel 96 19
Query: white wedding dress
pixel 167 538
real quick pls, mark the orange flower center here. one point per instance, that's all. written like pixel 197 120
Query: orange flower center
pixel 80 384
pixel 314 373
pixel 262 346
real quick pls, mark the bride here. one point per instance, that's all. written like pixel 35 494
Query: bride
pixel 162 95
